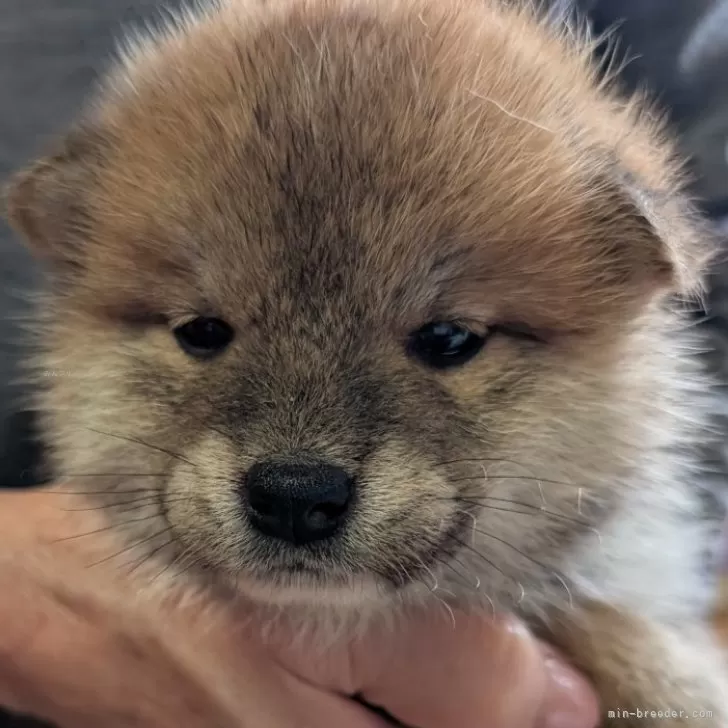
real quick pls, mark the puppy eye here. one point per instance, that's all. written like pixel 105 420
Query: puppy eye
pixel 204 337
pixel 441 345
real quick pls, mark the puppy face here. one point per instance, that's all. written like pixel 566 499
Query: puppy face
pixel 346 294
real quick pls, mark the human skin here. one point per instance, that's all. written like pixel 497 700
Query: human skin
pixel 80 644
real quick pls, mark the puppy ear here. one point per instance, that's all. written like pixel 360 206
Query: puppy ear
pixel 46 203
pixel 679 242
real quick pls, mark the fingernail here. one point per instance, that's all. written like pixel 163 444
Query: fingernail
pixel 516 628
pixel 570 703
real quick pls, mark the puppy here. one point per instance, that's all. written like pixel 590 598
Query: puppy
pixel 359 303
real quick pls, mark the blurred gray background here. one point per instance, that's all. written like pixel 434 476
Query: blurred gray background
pixel 50 53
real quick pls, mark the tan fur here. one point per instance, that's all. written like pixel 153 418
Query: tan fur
pixel 328 176
pixel 640 690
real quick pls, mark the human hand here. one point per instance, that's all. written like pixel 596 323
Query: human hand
pixel 81 647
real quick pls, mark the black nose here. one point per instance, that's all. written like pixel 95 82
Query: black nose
pixel 298 502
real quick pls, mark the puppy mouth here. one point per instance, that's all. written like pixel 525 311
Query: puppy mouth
pixel 421 568
pixel 330 566
pixel 325 567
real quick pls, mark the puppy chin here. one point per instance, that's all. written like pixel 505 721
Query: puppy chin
pixel 359 593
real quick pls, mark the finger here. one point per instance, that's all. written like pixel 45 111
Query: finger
pixel 434 672
pixel 61 660
pixel 481 672
pixel 320 708
pixel 569 700
pixel 52 521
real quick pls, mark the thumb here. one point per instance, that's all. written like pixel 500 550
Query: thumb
pixel 473 672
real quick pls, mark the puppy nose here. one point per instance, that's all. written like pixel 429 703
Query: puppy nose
pixel 298 502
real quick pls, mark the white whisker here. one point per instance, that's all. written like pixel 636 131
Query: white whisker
pixel 510 113
pixel 568 591
pixel 448 608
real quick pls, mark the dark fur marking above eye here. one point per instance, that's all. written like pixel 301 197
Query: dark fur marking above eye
pixel 522 332
pixel 134 314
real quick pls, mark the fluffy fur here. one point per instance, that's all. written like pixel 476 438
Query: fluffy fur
pixel 328 176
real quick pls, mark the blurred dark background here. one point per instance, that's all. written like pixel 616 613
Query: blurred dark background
pixel 51 51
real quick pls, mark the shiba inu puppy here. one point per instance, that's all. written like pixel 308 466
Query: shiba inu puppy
pixel 359 303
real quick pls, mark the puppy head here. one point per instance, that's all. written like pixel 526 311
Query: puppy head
pixel 329 275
